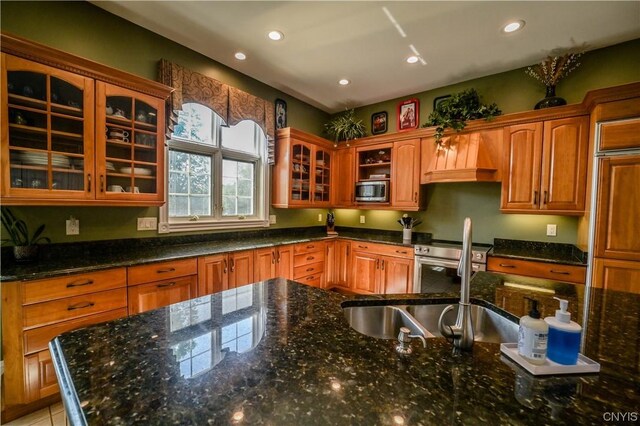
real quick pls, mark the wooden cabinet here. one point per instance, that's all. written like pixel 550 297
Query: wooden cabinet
pixel 396 275
pixel 224 271
pixel 344 175
pixel 545 166
pixel 70 138
pixel 619 124
pixel 618 275
pixel 309 263
pixel 34 312
pixel 552 271
pixel 380 268
pixel 265 264
pixel 284 261
pixel 340 277
pixel 405 180
pixel 303 171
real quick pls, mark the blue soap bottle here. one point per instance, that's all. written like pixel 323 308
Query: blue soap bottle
pixel 564 336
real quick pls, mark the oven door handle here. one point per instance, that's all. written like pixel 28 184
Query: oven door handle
pixel 453 264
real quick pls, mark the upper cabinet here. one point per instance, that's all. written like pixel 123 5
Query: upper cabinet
pixel 303 171
pixel 545 166
pixel 75 132
pixel 405 182
pixel 344 171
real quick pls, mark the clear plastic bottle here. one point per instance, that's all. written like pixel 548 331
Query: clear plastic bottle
pixel 532 336
pixel 564 336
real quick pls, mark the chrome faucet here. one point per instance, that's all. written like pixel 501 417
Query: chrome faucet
pixel 462 331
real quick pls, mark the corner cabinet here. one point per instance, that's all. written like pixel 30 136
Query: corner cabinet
pixel 545 165
pixel 302 174
pixel 75 132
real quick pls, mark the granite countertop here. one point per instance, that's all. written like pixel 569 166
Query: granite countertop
pixel 566 254
pixel 76 258
pixel 278 352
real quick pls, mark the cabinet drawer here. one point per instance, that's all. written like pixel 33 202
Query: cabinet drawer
pixel 37 339
pixel 314 280
pixel 73 307
pixel 155 295
pixel 552 271
pixel 161 271
pixel 310 269
pixel 308 247
pixel 384 249
pixel 307 258
pixel 72 285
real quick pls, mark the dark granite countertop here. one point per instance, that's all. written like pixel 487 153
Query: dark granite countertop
pixel 566 254
pixel 278 352
pixel 64 259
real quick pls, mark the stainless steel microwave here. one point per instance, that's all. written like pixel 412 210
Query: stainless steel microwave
pixel 373 191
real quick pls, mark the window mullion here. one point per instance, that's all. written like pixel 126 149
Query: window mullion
pixel 217 185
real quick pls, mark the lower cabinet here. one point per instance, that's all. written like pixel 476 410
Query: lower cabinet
pixel 146 297
pixel 396 275
pixel 220 272
pixel 340 278
pixel 273 262
pixel 552 271
pixel 618 275
pixel 40 376
pixel 380 268
pixel 309 260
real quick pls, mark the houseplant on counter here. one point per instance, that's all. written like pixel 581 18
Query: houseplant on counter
pixel 345 127
pixel 454 112
pixel 549 72
pixel 25 248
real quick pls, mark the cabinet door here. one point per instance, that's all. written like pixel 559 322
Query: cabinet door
pixel 145 297
pixel 344 177
pixel 330 265
pixel 321 180
pixel 342 264
pixel 396 275
pixel 213 274
pixel 364 270
pixel 618 208
pixel 300 183
pixel 284 262
pixel 564 164
pixel 129 146
pixel 40 376
pixel 618 275
pixel 240 268
pixel 47 121
pixel 405 184
pixel 521 165
pixel 264 264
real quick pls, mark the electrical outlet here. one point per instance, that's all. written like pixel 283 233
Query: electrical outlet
pixel 272 219
pixel 552 230
pixel 147 223
pixel 361 218
pixel 73 226
pixel 319 217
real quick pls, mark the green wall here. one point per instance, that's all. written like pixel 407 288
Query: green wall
pixel 86 30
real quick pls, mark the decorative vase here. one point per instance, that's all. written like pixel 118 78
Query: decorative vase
pixel 25 253
pixel 550 100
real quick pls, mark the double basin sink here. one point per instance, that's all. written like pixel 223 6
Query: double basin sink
pixel 384 322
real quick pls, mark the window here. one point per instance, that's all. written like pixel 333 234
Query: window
pixel 217 174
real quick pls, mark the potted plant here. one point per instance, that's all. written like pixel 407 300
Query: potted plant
pixel 549 72
pixel 454 112
pixel 345 127
pixel 25 248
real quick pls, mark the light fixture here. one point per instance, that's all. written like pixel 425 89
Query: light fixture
pixel 513 26
pixel 343 82
pixel 240 56
pixel 276 35
pixel 412 59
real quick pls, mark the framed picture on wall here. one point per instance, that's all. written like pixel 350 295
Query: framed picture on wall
pixel 379 123
pixel 408 115
pixel 439 100
pixel 281 114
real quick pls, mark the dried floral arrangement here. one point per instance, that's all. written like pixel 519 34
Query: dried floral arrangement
pixel 554 68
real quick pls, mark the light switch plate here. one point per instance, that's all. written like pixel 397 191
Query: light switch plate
pixel 272 219
pixel 147 223
pixel 361 218
pixel 552 230
pixel 319 217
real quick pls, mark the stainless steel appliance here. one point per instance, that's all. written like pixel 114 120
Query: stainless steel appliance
pixel 436 266
pixel 372 191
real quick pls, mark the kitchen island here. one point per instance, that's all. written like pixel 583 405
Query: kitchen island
pixel 278 352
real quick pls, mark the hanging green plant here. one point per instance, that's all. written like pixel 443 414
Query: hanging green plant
pixel 454 112
pixel 345 127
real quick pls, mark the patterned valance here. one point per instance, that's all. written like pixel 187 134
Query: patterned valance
pixel 230 103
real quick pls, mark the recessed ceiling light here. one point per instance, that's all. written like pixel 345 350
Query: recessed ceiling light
pixel 240 56
pixel 343 82
pixel 276 35
pixel 513 26
pixel 412 59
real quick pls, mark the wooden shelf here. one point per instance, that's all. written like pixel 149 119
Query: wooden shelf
pixel 387 163
pixel 67 135
pixel 28 129
pixel 27 99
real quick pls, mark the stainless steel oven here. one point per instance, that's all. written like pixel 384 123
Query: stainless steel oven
pixel 436 266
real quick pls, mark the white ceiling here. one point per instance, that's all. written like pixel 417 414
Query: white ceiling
pixel 327 41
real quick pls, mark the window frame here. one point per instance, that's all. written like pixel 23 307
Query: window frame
pixel 218 153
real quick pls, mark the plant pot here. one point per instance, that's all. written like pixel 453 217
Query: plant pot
pixel 550 100
pixel 25 253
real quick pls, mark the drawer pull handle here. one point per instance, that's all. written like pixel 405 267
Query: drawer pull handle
pixel 382 263
pixel 401 251
pixel 79 284
pixel 273 257
pixel 171 284
pixel 310 258
pixel 363 247
pixel 233 265
pixel 164 271
pixel 311 277
pixel 80 306
pixel 506 265
pixel 560 272
pixel 309 269
pixel 310 246
pixel 225 266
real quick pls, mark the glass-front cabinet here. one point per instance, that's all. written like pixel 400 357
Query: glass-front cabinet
pixel 130 154
pixel 47 132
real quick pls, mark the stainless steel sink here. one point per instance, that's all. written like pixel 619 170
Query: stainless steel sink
pixel 488 326
pixel 384 322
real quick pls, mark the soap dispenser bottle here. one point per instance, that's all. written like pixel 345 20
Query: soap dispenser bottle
pixel 532 336
pixel 564 336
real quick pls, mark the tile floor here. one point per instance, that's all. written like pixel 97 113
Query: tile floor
pixel 53 415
